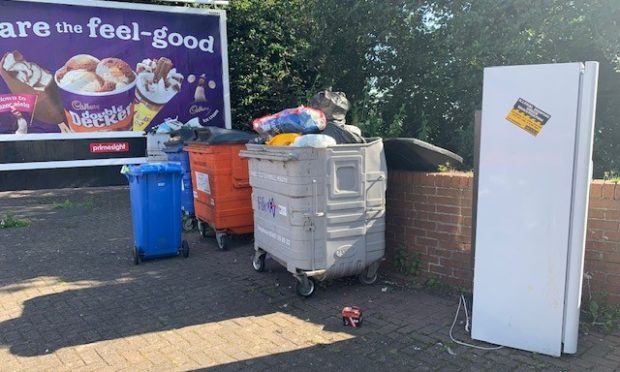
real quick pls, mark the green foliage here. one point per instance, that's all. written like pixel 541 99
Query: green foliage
pixel 8 221
pixel 612 176
pixel 407 263
pixel 63 205
pixel 436 285
pixel 414 68
pixel 600 315
pixel 89 202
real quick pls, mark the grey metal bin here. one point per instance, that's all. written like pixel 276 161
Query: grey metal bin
pixel 320 212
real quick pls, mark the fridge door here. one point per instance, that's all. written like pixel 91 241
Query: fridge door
pixel 527 151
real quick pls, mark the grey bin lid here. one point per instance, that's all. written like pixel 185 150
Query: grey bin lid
pixel 416 155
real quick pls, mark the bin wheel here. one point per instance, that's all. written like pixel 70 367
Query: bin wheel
pixel 222 240
pixel 188 223
pixel 136 256
pixel 305 287
pixel 185 248
pixel 204 229
pixel 258 262
pixel 368 280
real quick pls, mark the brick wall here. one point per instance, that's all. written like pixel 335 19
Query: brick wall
pixel 430 214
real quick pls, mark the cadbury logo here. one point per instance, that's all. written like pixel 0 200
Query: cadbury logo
pixel 194 109
pixel 80 106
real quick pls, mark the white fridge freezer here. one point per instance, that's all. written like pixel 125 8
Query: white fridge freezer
pixel 534 174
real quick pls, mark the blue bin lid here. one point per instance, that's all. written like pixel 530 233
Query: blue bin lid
pixel 168 167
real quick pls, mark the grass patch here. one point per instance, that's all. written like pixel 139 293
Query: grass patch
pixel 7 221
pixel 611 176
pixel 89 202
pixel 63 205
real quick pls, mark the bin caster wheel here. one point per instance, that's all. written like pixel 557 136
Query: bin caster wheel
pixel 204 229
pixel 258 262
pixel 188 224
pixel 305 287
pixel 185 249
pixel 222 240
pixel 136 256
pixel 365 279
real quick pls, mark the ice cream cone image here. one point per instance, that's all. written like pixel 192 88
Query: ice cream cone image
pixel 158 83
pixel 144 111
pixel 23 77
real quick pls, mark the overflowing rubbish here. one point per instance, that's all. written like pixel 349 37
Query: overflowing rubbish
pixel 284 139
pixel 304 120
pixel 322 124
pixel 314 140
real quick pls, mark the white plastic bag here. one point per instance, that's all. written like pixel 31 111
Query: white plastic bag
pixel 314 140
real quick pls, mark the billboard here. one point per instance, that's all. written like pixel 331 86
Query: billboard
pixel 92 66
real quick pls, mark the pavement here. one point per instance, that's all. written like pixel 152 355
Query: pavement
pixel 71 299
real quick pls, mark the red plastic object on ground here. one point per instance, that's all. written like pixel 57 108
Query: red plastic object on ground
pixel 352 316
pixel 222 191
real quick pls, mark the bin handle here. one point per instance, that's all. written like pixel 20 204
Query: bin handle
pixel 267 156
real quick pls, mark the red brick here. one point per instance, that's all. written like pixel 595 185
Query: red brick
pixel 605 203
pixel 603 225
pixel 425 241
pixel 426 225
pixel 440 270
pixel 611 236
pixel 423 179
pixel 596 189
pixel 602 246
pixel 449 228
pixel 424 190
pixel 613 257
pixel 608 190
pixel 449 219
pixel 596 213
pixel 414 232
pixel 453 193
pixel 603 267
pixel 462 273
pixel 444 200
pixel 438 252
pixel 428 207
pixel 419 215
pixel 593 255
pixel 610 214
pixel 466 210
pixel 449 209
pixel 614 281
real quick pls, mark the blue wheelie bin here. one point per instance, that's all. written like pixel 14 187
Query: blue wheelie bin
pixel 155 193
pixel 176 154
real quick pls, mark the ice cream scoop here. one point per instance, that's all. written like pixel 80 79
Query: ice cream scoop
pixel 82 62
pixel 81 81
pixel 114 70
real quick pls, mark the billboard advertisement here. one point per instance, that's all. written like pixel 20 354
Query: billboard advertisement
pixel 92 66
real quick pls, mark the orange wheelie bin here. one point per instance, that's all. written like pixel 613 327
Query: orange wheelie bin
pixel 222 191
